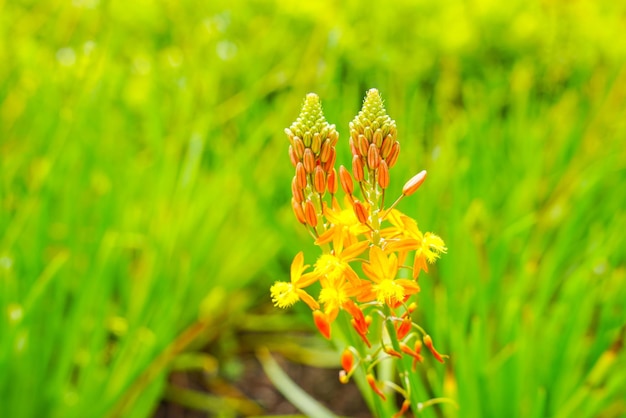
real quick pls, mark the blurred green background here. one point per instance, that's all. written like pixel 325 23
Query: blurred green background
pixel 144 190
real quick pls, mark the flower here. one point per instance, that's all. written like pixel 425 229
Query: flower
pixel 382 270
pixel 285 294
pixel 345 227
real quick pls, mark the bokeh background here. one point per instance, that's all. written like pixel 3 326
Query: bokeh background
pixel 145 188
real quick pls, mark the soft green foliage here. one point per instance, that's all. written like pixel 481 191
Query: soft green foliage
pixel 144 187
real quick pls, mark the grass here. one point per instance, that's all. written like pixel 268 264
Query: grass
pixel 144 188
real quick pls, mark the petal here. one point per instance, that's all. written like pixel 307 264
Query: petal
pixel 354 250
pixel 297 266
pixel 308 299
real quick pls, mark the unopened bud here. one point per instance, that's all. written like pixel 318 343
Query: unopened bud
pixel 292 156
pixel 330 163
pixel 296 191
pixel 428 342
pixel 368 133
pixel 308 160
pixel 347 360
pixel 346 181
pixel 343 377
pixel 393 154
pixel 360 212
pixel 357 168
pixel 325 150
pixel 383 175
pixel 372 157
pixel 333 136
pixel 316 143
pixel 300 176
pixel 309 214
pixel 378 138
pixel 385 147
pixel 371 380
pixel 322 323
pixel 297 210
pixel 363 145
pixel 289 134
pixel 307 138
pixel 298 147
pixel 319 180
pixel 353 148
pixel 332 181
pixel 414 183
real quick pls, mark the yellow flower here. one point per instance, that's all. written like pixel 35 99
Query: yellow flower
pixel 405 236
pixel 285 294
pixel 337 265
pixel 382 270
pixel 345 227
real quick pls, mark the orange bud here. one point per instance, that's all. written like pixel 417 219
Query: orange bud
pixel 385 147
pixel 298 147
pixel 332 181
pixel 362 145
pixel 428 341
pixel 405 326
pixel 292 156
pixel 308 160
pixel 393 154
pixel 347 360
pixel 405 407
pixel 414 183
pixel 346 180
pixel 368 133
pixel 392 352
pixel 333 136
pixel 316 143
pixel 353 148
pixel 378 138
pixel 330 163
pixel 309 214
pixel 383 175
pixel 357 168
pixel 307 138
pixel 325 150
pixel 360 212
pixel 297 192
pixel 373 157
pixel 372 382
pixel 300 176
pixel 319 180
pixel 322 323
pixel 297 210
pixel 289 134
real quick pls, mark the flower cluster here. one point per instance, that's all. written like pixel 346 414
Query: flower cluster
pixel 364 268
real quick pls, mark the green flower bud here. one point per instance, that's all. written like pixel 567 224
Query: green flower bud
pixel 311 125
pixel 373 117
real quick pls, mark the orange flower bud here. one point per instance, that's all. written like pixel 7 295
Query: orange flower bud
pixel 405 407
pixel 319 180
pixel 316 143
pixel 357 168
pixel 353 148
pixel 298 147
pixel 360 212
pixel 368 133
pixel 383 175
pixel 414 183
pixel 300 176
pixel 372 157
pixel 428 341
pixel 309 214
pixel 403 329
pixel 378 138
pixel 347 360
pixel 325 150
pixel 296 191
pixel 346 180
pixel 292 156
pixel 386 146
pixel 330 163
pixel 297 210
pixel 322 323
pixel 307 138
pixel 372 382
pixel 362 145
pixel 392 352
pixel 333 136
pixel 308 160
pixel 289 134
pixel 393 154
pixel 332 181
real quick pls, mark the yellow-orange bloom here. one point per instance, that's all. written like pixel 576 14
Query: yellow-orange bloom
pixel 345 227
pixel 382 270
pixel 285 294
